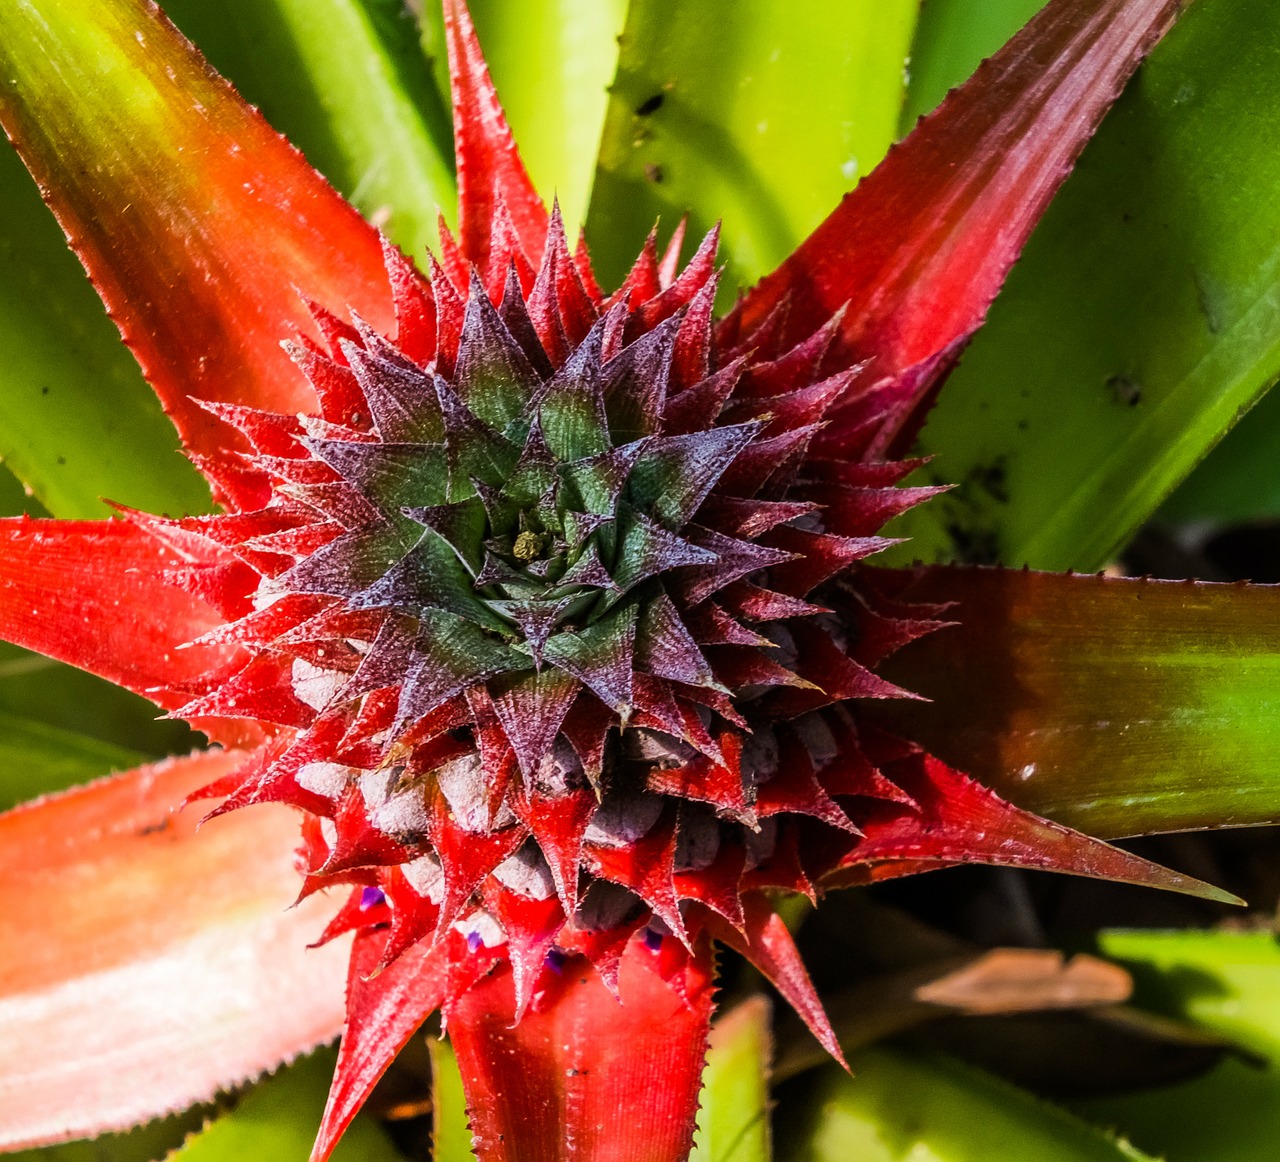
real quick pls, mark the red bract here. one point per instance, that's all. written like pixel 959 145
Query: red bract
pixel 544 605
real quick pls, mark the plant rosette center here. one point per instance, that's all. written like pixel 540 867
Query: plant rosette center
pixel 553 612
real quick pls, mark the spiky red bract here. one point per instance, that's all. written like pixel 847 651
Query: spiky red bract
pixel 95 595
pixel 550 607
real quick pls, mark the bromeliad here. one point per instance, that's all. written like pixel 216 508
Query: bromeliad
pixel 543 605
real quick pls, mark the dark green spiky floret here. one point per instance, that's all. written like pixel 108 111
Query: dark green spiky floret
pixel 528 524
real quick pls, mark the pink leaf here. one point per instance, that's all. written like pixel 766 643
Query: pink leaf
pixel 145 966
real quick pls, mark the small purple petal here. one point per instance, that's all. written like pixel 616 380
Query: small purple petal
pixel 371 898
pixel 555 961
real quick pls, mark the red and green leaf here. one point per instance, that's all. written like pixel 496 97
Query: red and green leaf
pixel 94 594
pixel 1116 706
pixel 918 251
pixel 196 221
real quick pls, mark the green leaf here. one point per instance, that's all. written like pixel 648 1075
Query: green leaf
pixel 952 38
pixel 733 1114
pixel 1226 981
pixel 278 1118
pixel 1144 316
pixel 36 759
pixel 15 500
pixel 450 1131
pixel 551 61
pixel 154 1140
pixel 50 694
pixel 928 1109
pixel 346 82
pixel 757 114
pixel 1238 480
pixel 77 421
pixel 1116 706
pixel 1223 980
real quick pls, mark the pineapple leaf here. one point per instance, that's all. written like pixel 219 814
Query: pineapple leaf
pixel 1225 981
pixel 1142 319
pixel 1118 706
pixel 733 1118
pixel 345 82
pixel 930 1109
pixel 748 112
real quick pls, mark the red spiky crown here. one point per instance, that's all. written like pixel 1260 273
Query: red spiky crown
pixel 553 620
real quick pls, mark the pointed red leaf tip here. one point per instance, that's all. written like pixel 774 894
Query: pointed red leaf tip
pixel 955 819
pixel 145 966
pixel 766 942
pixel 94 594
pixel 383 1012
pixel 585 1076
pixel 489 166
pixel 919 249
pixel 195 220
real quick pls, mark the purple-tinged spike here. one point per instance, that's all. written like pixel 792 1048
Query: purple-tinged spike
pixel 673 299
pixel 380 347
pixel 588 571
pixel 346 566
pixel 642 281
pixel 600 656
pixel 751 518
pixel 769 463
pixel 459 524
pixel 635 383
pixel 536 620
pixel 599 480
pixel 648 549
pixel 500 509
pixel 493 376
pixel 665 648
pixel 449 310
pixel 514 313
pixel 712 626
pixel 577 310
pixel 505 251
pixel 732 558
pixel 532 708
pixel 387 474
pixel 797 367
pixel 571 407
pixel 400 399
pixel 338 502
pixel 578 526
pixel 675 474
pixel 695 342
pixel 496 571
pixel 451 654
pixel 414 304
pixel 698 407
pixel 534 471
pixel 475 449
